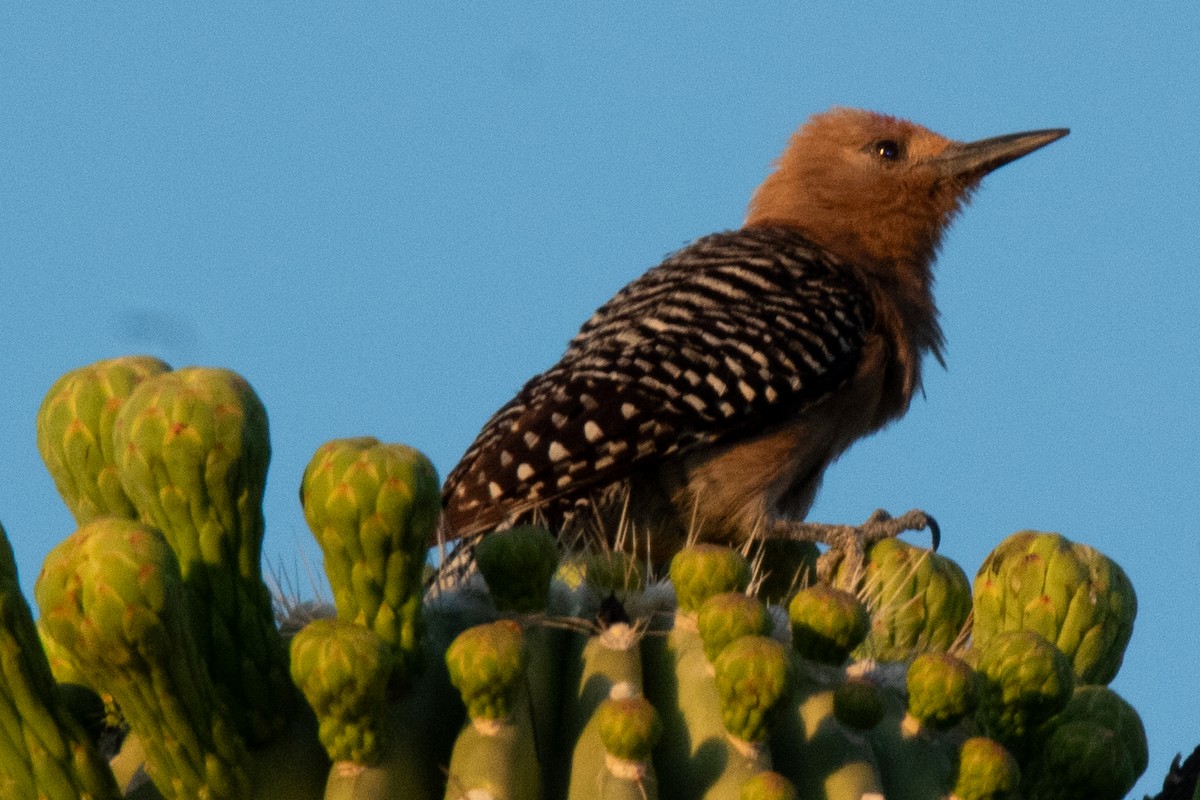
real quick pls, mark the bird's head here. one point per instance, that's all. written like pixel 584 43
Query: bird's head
pixel 878 190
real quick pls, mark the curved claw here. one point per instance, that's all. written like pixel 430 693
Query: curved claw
pixel 935 532
pixel 918 519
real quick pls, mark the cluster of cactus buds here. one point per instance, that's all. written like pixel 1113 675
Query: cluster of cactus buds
pixel 157 670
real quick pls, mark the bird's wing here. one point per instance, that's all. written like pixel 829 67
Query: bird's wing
pixel 730 334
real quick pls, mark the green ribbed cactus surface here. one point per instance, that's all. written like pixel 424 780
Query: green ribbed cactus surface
pixel 1070 593
pixel 192 450
pixel 44 751
pixel 373 508
pixel 75 434
pixel 112 594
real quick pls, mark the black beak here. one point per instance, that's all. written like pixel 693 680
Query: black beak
pixel 973 160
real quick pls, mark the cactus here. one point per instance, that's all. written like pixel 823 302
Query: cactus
pixel 858 704
pixel 607 665
pixel 629 728
pixel 495 751
pixel 343 670
pixel 1024 681
pixel 1070 594
pixel 704 570
pixel 74 434
pixel 1096 748
pixel 518 565
pixel 112 594
pixel 614 572
pixel 752 675
pixel 727 617
pixel 192 452
pixel 595 678
pixel 44 752
pixel 768 786
pixel 919 601
pixel 373 507
pixel 486 664
pixel 941 690
pixel 827 623
pixel 986 771
pixel 812 749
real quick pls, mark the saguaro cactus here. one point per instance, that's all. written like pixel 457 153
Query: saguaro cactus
pixel 343 670
pixel 192 449
pixel 1072 595
pixel 919 601
pixel 1024 682
pixel 44 752
pixel 372 507
pixel 113 595
pixel 595 680
pixel 74 433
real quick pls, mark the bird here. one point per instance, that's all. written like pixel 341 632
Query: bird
pixel 706 398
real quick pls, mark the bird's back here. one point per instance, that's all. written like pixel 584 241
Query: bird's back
pixel 731 334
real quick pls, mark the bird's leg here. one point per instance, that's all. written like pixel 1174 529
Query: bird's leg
pixel 849 543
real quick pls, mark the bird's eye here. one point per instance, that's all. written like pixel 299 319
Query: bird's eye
pixel 887 149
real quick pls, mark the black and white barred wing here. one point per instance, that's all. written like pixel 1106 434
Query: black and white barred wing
pixel 727 336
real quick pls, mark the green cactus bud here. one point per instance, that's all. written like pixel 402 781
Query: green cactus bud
pixel 614 571
pixel 752 677
pixel 827 623
pixel 1070 594
pixel 1081 760
pixel 112 594
pixel 518 564
pixel 941 690
pixel 343 669
pixel 1023 681
pixel 373 508
pixel 1096 748
pixel 857 704
pixel 629 727
pixel 44 750
pixel 702 570
pixel 75 434
pixel 919 601
pixel 62 666
pixel 486 664
pixel 729 616
pixel 986 771
pixel 769 786
pixel 1104 707
pixel 192 451
pixel 784 566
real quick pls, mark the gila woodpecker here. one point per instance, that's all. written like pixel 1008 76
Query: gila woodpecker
pixel 708 396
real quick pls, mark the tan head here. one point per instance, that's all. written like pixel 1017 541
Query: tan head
pixel 877 190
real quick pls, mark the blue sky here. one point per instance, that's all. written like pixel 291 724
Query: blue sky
pixel 387 219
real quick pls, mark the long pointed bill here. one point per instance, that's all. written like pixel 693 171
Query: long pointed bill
pixel 973 160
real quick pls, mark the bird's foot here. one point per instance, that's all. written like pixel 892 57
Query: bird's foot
pixel 848 543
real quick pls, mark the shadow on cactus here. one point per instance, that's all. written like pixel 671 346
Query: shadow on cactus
pixel 549 673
